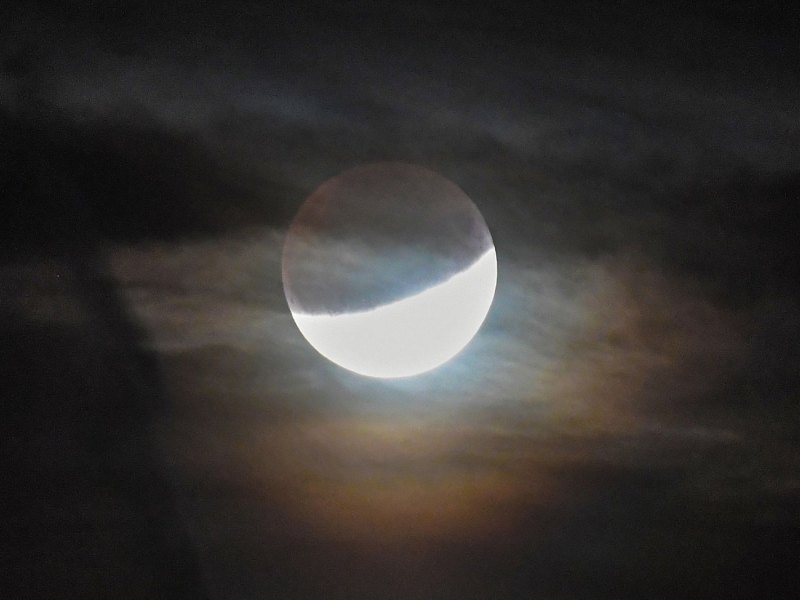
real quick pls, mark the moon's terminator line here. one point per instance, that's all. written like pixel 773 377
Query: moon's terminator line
pixel 389 270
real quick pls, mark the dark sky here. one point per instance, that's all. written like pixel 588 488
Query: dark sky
pixel 625 424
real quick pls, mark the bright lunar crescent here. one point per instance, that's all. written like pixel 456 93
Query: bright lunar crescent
pixel 389 270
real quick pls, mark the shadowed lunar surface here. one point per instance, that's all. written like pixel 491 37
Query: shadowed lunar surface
pixel 376 234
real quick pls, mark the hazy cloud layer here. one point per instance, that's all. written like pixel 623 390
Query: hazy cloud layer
pixel 624 425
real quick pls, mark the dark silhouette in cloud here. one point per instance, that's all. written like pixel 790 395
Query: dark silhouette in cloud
pixel 89 511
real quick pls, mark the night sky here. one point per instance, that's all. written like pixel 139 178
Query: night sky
pixel 626 423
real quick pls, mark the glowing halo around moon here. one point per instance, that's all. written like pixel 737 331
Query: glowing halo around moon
pixel 389 270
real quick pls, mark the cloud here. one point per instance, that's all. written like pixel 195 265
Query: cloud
pixel 566 363
pixel 627 413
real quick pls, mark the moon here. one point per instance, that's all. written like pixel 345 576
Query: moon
pixel 389 270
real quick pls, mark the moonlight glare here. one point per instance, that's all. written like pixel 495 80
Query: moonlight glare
pixel 409 336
